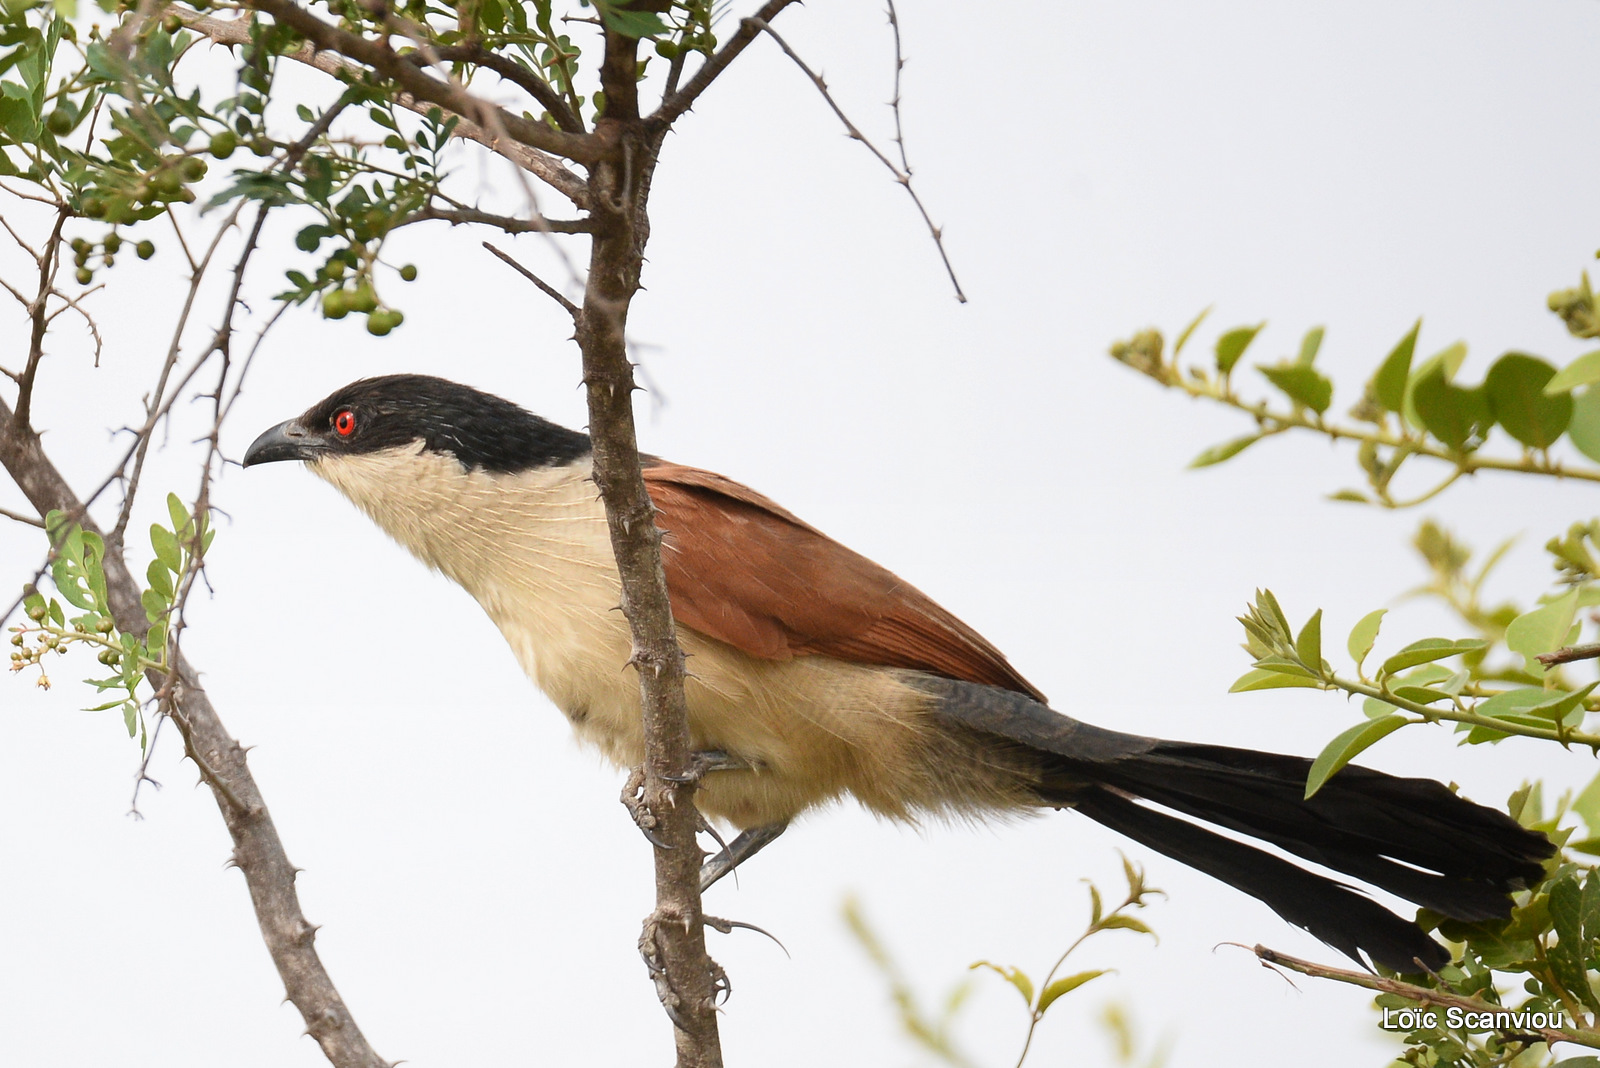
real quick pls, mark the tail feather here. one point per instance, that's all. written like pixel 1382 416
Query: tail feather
pixel 1335 913
pixel 1412 837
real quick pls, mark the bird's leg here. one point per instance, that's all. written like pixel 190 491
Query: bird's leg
pixel 700 764
pixel 706 761
pixel 741 849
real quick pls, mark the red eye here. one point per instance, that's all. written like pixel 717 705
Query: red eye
pixel 345 423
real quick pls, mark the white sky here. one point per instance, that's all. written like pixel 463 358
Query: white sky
pixel 1099 168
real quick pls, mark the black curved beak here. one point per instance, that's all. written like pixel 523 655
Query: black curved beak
pixel 286 441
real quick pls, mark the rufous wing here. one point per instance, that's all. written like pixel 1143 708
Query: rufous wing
pixel 747 572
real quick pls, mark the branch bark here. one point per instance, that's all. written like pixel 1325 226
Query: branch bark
pixel 673 940
pixel 542 165
pixel 257 850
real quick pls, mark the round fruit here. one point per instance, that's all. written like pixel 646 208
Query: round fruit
pixel 145 249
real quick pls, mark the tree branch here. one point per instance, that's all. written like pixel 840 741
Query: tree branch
pixel 673 940
pixel 516 74
pixel 258 851
pixel 581 148
pixel 540 164
pixel 544 287
pixel 1570 653
pixel 459 216
pixel 1421 994
pixel 901 176
pixel 677 103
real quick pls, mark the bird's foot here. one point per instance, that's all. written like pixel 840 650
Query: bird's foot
pixel 633 800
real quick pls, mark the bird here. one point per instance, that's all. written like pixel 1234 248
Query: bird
pixel 816 673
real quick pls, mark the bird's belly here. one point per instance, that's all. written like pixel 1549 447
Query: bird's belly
pixel 810 728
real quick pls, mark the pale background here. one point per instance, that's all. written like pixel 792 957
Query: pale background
pixel 1100 168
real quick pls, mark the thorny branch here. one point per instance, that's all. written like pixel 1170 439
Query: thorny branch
pixel 903 176
pixel 1569 654
pixel 544 287
pixel 1425 996
pixel 258 851
pixel 541 165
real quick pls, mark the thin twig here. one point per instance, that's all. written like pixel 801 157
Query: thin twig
pixel 901 176
pixel 1567 654
pixel 1423 995
pixel 675 104
pixel 511 225
pixel 32 521
pixel 544 287
pixel 542 165
pixel 517 74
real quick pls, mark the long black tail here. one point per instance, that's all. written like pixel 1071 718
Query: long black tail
pixel 1411 837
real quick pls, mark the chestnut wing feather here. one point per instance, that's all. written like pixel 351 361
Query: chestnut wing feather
pixel 745 571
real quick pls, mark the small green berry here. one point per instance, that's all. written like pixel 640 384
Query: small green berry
pixel 60 121
pixel 409 272
pixel 84 276
pixel 336 304
pixel 145 249
pixel 223 144
pixel 112 243
pixel 94 207
pixel 37 612
pixel 192 169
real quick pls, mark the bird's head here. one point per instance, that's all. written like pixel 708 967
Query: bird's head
pixel 411 415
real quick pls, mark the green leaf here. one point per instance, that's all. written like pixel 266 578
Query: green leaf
pixel 1373 708
pixel 1422 695
pixel 178 514
pixel 1454 415
pixel 1231 346
pixel 1346 746
pixel 637 24
pixel 1120 922
pixel 1015 976
pixel 1308 646
pixel 130 717
pixel 1427 650
pixel 1450 358
pixel 1364 634
pixel 1584 428
pixel 1309 346
pixel 1302 384
pixel 160 579
pixel 1389 384
pixel 1543 629
pixel 1188 331
pixel 165 544
pixel 1225 451
pixel 1066 985
pixel 155 605
pixel 1515 387
pixel 1271 680
pixel 1587 806
pixel 1583 371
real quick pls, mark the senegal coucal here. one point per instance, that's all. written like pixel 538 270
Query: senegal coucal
pixel 821 674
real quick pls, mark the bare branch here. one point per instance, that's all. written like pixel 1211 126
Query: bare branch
pixel 1570 653
pixel 48 261
pixel 541 165
pixel 544 287
pixel 258 851
pixel 32 521
pixel 901 176
pixel 459 216
pixel 1425 995
pixel 677 103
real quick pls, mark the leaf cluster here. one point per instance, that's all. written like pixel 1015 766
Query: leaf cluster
pixel 77 571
